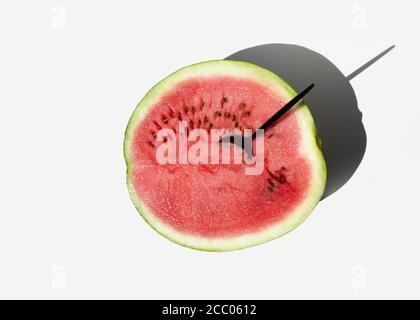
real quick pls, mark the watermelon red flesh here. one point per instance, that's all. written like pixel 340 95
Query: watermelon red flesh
pixel 220 200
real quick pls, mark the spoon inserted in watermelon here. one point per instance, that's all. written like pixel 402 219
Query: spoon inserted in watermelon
pixel 270 122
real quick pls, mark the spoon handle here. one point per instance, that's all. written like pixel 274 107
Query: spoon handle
pixel 283 110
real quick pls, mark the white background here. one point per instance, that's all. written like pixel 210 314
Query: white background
pixel 71 73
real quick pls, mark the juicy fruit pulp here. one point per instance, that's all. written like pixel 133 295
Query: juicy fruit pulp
pixel 218 207
pixel 220 200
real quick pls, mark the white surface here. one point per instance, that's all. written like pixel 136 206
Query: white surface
pixel 67 88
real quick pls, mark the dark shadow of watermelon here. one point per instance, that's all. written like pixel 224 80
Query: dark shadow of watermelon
pixel 332 102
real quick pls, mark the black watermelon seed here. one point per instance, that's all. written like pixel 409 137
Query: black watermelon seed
pixel 242 106
pixel 281 179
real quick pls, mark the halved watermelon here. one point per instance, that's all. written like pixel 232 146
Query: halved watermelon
pixel 217 207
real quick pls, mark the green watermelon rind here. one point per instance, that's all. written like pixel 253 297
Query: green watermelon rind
pixel 311 148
